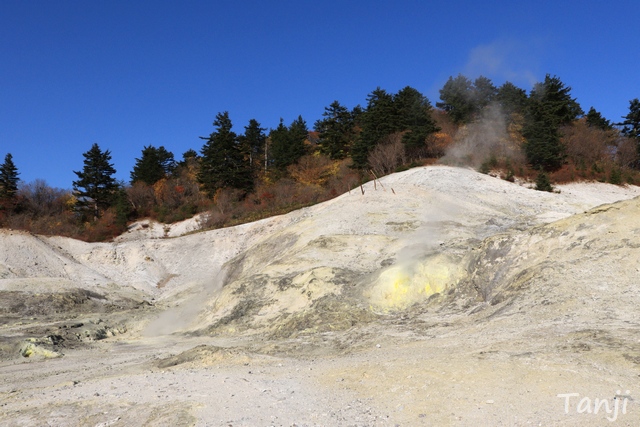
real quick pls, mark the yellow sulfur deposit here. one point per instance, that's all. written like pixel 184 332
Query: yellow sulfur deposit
pixel 32 350
pixel 402 285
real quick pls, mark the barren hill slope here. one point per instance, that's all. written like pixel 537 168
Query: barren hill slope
pixel 440 296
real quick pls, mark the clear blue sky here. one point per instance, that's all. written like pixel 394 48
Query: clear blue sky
pixel 126 74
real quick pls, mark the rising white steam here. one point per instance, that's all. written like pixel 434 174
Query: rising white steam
pixel 182 316
pixel 508 60
pixel 482 140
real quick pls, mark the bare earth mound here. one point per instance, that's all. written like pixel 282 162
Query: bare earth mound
pixel 440 296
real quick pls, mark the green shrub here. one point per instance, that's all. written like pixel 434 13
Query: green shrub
pixel 485 168
pixel 543 183
pixel 510 175
pixel 616 176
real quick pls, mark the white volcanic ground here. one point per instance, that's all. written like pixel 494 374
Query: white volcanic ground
pixel 440 296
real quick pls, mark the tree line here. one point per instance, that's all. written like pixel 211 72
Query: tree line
pixel 242 177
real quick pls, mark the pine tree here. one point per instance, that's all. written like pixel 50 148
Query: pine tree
pixel 543 183
pixel 299 134
pixel 631 123
pixel 155 164
pixel 484 93
pixel 8 179
pixel 96 186
pixel 189 159
pixel 288 144
pixel 222 163
pixel 278 140
pixel 122 206
pixel 457 97
pixel 595 119
pixel 512 99
pixel 414 116
pixel 550 106
pixel 379 120
pixel 337 130
pixel 543 147
pixel 556 99
pixel 252 145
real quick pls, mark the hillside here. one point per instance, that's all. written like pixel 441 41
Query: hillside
pixel 440 296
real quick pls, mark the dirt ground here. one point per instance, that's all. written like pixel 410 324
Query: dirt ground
pixel 385 374
pixel 457 299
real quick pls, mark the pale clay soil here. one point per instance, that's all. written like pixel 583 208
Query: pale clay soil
pixel 439 297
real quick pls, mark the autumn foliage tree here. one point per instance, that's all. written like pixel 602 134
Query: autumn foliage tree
pixel 312 169
pixel 587 145
pixel 388 155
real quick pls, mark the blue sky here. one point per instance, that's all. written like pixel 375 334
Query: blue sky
pixel 125 74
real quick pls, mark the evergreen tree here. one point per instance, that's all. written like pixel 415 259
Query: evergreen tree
pixel 512 99
pixel 222 163
pixel 189 154
pixel 356 114
pixel 543 183
pixel 96 186
pixel 464 100
pixel 122 206
pixel 631 123
pixel 543 147
pixel 550 106
pixel 278 140
pixel 299 134
pixel 337 130
pixel 484 93
pixel 288 144
pixel 155 164
pixel 189 158
pixel 556 99
pixel 8 179
pixel 414 116
pixel 252 144
pixel 379 120
pixel 457 97
pixel 595 119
